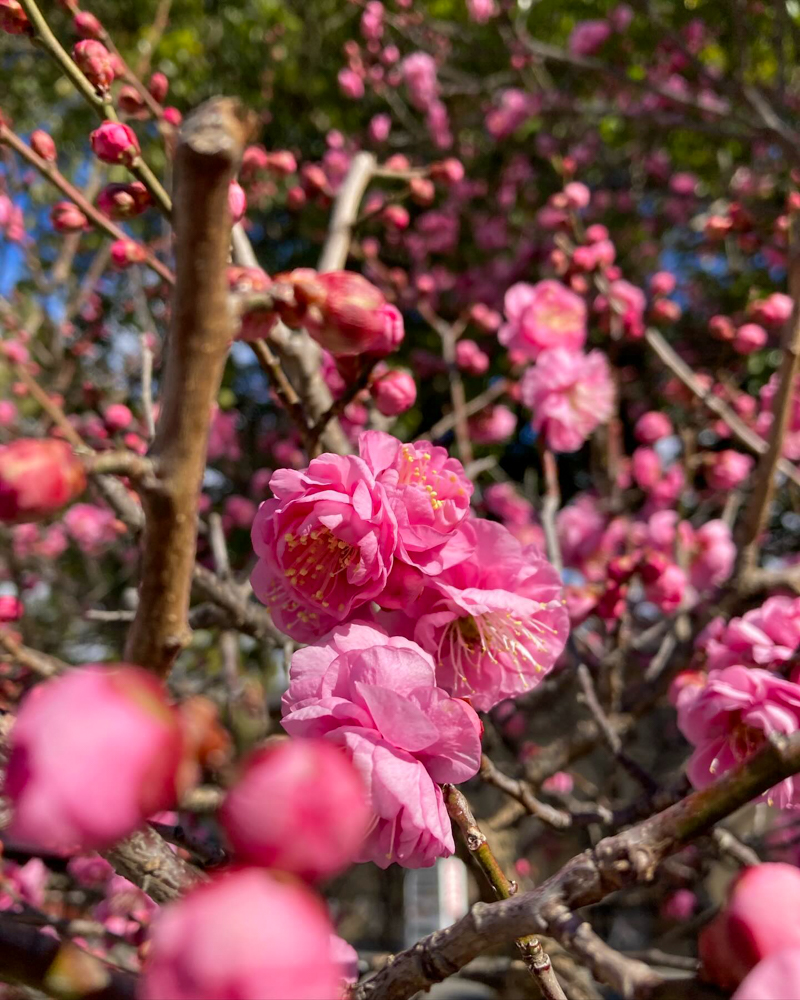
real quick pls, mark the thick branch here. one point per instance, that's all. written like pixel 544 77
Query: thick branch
pixel 616 862
pixel 345 211
pixel 209 150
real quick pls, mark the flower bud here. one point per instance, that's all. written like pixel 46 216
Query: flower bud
pixel 115 142
pixel 66 217
pixel 37 478
pixel 394 393
pixel 131 101
pixel 118 417
pixel 42 144
pixel 246 935
pixel 94 60
pixel 126 252
pixel 13 18
pixel 652 426
pixel 341 310
pixel 173 117
pixel 93 754
pixel 281 162
pixel 124 201
pixel 323 816
pixel 237 201
pixel 470 358
pixel 87 25
pixel 450 171
pixel 423 190
pixel 158 87
pixel 749 337
pixel 662 283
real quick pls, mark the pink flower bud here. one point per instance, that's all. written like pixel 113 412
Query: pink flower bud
pixel 282 162
pixel 93 754
pixel 493 425
pixel 721 328
pixel 379 128
pixel 158 87
pixel 759 920
pixel 173 117
pixel 244 936
pixel 652 426
pixel 42 144
pixel 11 608
pixel 87 25
pixel 323 814
pixel 351 84
pixel 577 195
pixel 237 201
pixel 37 478
pixel 470 358
pixel 341 310
pixel 728 469
pixel 449 171
pixel 13 18
pixel 662 283
pixel 396 216
pixel 118 417
pixel 588 37
pixel 126 252
pixel 295 198
pixel 94 60
pixel 394 393
pixel 665 311
pixel 773 311
pixel 680 905
pixel 131 101
pixel 66 217
pixel 749 337
pixel 423 191
pixel 115 142
pixel 254 160
pixel 559 783
pixel 124 201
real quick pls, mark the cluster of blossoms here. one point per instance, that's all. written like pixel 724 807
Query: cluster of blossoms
pixel 411 604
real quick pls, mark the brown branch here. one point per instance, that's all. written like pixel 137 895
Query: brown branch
pixel 42 962
pixel 533 955
pixel 757 512
pixel 40 663
pixel 209 150
pixel 743 434
pixel 147 860
pixel 449 334
pixel 281 386
pixel 550 505
pixel 345 212
pixel 615 863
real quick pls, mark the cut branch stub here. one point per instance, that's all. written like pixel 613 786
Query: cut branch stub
pixel 211 144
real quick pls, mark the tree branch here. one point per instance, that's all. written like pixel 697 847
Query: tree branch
pixel 209 150
pixel 615 863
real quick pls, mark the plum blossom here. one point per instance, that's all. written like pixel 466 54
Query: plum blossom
pixel 429 494
pixel 542 316
pixel 377 697
pixel 570 394
pixel 730 717
pixel 588 37
pixel 93 753
pixel 758 921
pixel 496 623
pixel 419 76
pixel 774 978
pixel 92 528
pixel 247 935
pixel 325 544
pixel 323 811
pixel 493 425
pixel 766 637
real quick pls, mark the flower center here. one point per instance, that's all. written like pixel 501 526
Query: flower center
pixel 314 560
pixel 496 635
pixel 415 470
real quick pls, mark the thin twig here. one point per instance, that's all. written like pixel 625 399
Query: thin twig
pixel 536 961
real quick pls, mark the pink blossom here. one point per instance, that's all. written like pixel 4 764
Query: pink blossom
pixel 492 425
pixel 379 128
pixel 325 544
pixel 351 84
pixel 652 427
pixel 470 358
pixel 667 588
pixel 514 109
pixel 560 783
pixel 759 920
pixel 372 20
pixel 713 555
pixel 662 283
pixel 11 608
pixel 237 201
pixel 749 337
pixel 646 467
pixel 577 194
pixel 24 884
pixel 543 316
pixel 115 142
pixel 481 11
pixel 728 469
pixel 628 302
pixel 419 76
pixel 774 310
pixel 92 528
pixel 496 623
pixel 8 413
pixel 93 753
pixel 244 936
pixel 580 526
pixel 766 636
pixel 730 717
pixel 776 977
pixel 118 417
pixel 43 145
pixel 503 500
pixel 570 394
pixel 323 810
pixel 429 494
pixel 394 393
pixel 588 37
pixel 680 905
pixel 376 696
pixel 37 478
